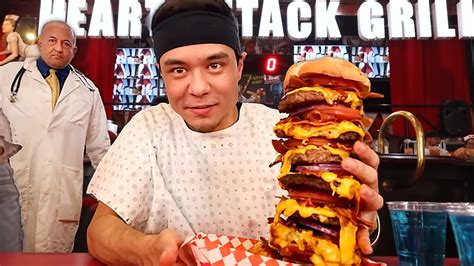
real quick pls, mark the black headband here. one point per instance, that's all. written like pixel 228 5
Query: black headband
pixel 195 27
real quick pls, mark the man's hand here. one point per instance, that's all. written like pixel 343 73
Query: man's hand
pixel 161 249
pixel 112 241
pixel 370 199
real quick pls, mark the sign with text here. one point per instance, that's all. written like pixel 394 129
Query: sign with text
pixel 404 20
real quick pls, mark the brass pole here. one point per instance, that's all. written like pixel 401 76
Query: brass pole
pixel 420 142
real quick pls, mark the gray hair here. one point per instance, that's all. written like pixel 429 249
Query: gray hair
pixel 62 23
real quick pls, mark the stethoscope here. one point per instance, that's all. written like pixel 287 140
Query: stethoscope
pixel 17 80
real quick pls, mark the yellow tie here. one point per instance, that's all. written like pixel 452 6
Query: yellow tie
pixel 53 82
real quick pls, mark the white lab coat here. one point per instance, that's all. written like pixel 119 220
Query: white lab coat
pixel 49 168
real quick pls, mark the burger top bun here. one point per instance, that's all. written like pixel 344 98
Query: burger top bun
pixel 332 70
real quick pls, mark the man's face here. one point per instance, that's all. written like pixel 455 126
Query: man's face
pixel 201 82
pixel 56 45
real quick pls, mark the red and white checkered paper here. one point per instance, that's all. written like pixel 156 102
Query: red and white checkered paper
pixel 215 250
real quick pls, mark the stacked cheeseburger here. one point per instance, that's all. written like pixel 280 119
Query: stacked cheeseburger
pixel 319 221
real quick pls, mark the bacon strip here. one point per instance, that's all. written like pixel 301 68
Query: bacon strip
pixel 318 197
pixel 282 146
pixel 324 113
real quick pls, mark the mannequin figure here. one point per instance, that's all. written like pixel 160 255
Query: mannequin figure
pixel 16 49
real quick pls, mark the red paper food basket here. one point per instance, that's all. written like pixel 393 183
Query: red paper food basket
pixel 216 250
pixel 210 249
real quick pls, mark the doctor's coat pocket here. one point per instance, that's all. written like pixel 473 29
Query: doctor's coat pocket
pixel 78 111
pixel 70 195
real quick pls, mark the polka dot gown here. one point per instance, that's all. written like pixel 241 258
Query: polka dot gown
pixel 160 174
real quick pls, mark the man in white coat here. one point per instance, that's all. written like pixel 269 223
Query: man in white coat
pixel 53 124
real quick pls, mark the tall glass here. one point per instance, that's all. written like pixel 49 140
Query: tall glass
pixel 461 216
pixel 419 230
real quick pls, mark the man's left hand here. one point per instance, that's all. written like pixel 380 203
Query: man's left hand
pixel 366 170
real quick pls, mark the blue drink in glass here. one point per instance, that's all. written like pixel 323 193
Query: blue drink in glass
pixel 419 232
pixel 462 222
pixel 434 236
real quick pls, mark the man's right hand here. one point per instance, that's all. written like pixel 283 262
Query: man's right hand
pixel 114 242
pixel 161 249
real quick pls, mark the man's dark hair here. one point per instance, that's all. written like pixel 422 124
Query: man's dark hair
pixel 174 7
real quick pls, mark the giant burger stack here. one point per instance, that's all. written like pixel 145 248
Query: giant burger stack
pixel 319 219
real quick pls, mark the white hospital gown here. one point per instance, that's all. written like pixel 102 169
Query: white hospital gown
pixel 160 174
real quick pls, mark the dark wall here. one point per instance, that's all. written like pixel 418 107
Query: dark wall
pixel 470 66
pixel 20 7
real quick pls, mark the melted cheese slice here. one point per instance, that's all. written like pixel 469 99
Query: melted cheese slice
pixel 346 188
pixel 336 151
pixel 347 242
pixel 307 130
pixel 330 95
pixel 290 206
pixel 286 164
pixel 325 252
